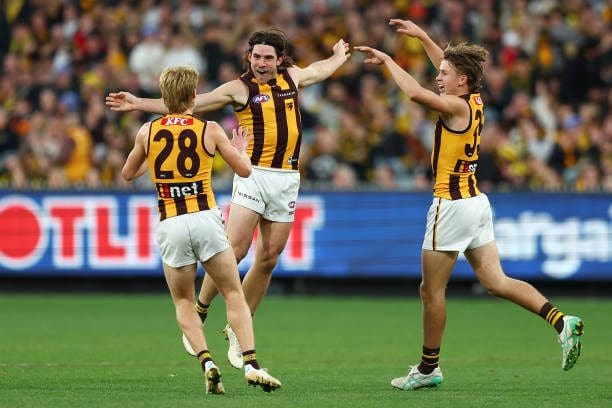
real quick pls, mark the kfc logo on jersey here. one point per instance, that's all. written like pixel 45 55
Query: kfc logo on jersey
pixel 176 120
pixel 261 98
pixel 477 100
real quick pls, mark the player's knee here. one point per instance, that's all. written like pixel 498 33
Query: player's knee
pixel 240 251
pixel 268 258
pixel 422 290
pixel 268 264
pixel 495 287
pixel 233 296
pixel 428 293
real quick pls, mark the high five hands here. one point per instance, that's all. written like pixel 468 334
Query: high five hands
pixel 376 57
pixel 121 101
pixel 407 27
pixel 342 48
pixel 373 56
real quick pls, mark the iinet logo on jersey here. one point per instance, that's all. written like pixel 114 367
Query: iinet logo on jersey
pixel 177 190
pixel 176 121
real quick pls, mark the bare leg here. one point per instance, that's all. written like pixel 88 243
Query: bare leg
pixel 270 243
pixel 486 264
pixel 181 284
pixel 208 290
pixel 437 267
pixel 224 273
pixel 240 227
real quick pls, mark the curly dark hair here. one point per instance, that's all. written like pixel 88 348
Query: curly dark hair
pixel 275 38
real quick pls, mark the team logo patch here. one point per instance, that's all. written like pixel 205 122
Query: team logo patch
pixel 261 98
pixel 176 120
pixel 178 190
pixel 465 166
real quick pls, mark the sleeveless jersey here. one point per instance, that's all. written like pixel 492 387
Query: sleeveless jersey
pixel 454 156
pixel 180 166
pixel 273 117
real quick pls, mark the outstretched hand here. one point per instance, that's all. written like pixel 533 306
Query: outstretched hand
pixel 240 138
pixel 373 56
pixel 121 101
pixel 407 27
pixel 342 48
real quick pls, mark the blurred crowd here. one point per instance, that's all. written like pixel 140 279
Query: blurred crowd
pixel 547 91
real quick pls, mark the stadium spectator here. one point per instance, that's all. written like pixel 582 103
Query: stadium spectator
pixel 556 53
pixel 356 144
pixel 344 178
pixel 460 217
pixel 195 211
pixel 180 50
pixel 566 151
pixel 323 157
pixel 146 58
pixel 9 150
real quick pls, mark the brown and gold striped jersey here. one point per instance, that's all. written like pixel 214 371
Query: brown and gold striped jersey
pixel 180 166
pixel 454 157
pixel 272 115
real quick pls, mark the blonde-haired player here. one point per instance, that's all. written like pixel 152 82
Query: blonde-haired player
pixel 178 151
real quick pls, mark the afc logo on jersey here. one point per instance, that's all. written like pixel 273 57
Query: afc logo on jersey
pixel 477 100
pixel 176 120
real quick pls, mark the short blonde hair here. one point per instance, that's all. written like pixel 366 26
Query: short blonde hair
pixel 177 85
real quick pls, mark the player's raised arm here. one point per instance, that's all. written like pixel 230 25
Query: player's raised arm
pixel 233 151
pixel 434 52
pixel 230 93
pixel 136 165
pixel 126 102
pixel 410 86
pixel 320 70
pixel 233 92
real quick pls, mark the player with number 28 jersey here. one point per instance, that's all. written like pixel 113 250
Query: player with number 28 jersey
pixel 180 166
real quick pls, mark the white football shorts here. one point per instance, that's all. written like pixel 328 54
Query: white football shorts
pixel 189 238
pixel 457 225
pixel 271 193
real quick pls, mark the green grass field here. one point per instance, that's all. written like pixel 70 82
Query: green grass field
pixel 125 351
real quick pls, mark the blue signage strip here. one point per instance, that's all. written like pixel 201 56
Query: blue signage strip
pixel 554 236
